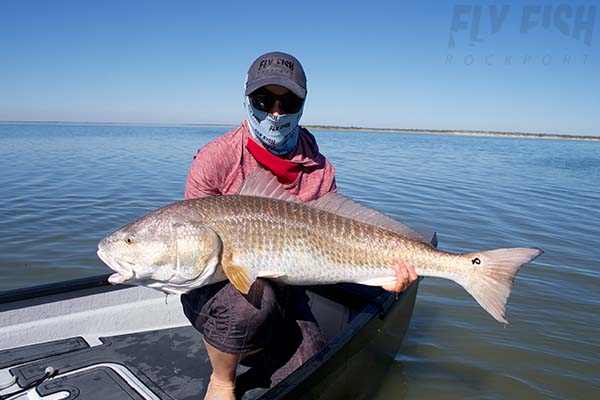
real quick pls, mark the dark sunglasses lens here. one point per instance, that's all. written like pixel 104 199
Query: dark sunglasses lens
pixel 262 101
pixel 291 103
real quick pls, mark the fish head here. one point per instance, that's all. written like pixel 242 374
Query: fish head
pixel 169 249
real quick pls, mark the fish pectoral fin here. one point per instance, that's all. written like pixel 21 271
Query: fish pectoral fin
pixel 240 277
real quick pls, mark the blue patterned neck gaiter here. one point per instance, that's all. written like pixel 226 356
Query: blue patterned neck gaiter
pixel 278 134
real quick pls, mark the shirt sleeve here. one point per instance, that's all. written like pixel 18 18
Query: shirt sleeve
pixel 204 178
pixel 333 188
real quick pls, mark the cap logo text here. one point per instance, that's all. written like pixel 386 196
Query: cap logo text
pixel 276 61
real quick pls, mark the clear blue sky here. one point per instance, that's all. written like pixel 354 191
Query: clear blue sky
pixel 428 64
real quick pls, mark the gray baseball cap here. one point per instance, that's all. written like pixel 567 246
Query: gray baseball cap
pixel 277 69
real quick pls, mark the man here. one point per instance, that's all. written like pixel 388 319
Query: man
pixel 235 326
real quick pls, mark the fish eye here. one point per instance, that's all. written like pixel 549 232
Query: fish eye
pixel 129 240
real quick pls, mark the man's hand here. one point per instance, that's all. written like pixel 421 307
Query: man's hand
pixel 405 276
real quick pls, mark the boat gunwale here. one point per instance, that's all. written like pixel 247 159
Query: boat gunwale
pixel 56 288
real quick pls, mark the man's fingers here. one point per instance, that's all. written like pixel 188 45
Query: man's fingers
pixel 405 275
pixel 392 288
pixel 408 270
pixel 399 284
pixel 402 277
pixel 412 274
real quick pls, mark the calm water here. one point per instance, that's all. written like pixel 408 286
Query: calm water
pixel 63 187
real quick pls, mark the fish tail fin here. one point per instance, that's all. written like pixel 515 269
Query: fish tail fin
pixel 495 271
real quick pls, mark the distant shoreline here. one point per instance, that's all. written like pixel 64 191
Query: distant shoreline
pixel 347 128
pixel 458 132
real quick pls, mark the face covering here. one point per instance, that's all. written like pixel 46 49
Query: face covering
pixel 278 134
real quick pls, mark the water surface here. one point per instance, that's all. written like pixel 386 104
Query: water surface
pixel 64 187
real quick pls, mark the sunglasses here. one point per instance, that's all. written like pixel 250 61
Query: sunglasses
pixel 263 100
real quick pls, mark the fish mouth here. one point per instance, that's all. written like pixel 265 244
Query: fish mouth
pixel 123 269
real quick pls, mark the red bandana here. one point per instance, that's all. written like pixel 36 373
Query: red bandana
pixel 286 171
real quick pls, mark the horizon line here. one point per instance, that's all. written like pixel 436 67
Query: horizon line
pixel 462 132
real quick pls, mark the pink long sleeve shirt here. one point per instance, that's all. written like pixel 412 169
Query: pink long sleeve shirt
pixel 221 166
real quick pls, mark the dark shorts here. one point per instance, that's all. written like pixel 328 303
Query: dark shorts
pixel 275 318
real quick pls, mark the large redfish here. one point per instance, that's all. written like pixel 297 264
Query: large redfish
pixel 242 237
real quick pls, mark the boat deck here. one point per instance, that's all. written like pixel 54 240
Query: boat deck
pixel 160 364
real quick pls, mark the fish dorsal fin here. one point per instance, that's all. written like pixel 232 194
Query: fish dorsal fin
pixel 345 207
pixel 262 183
